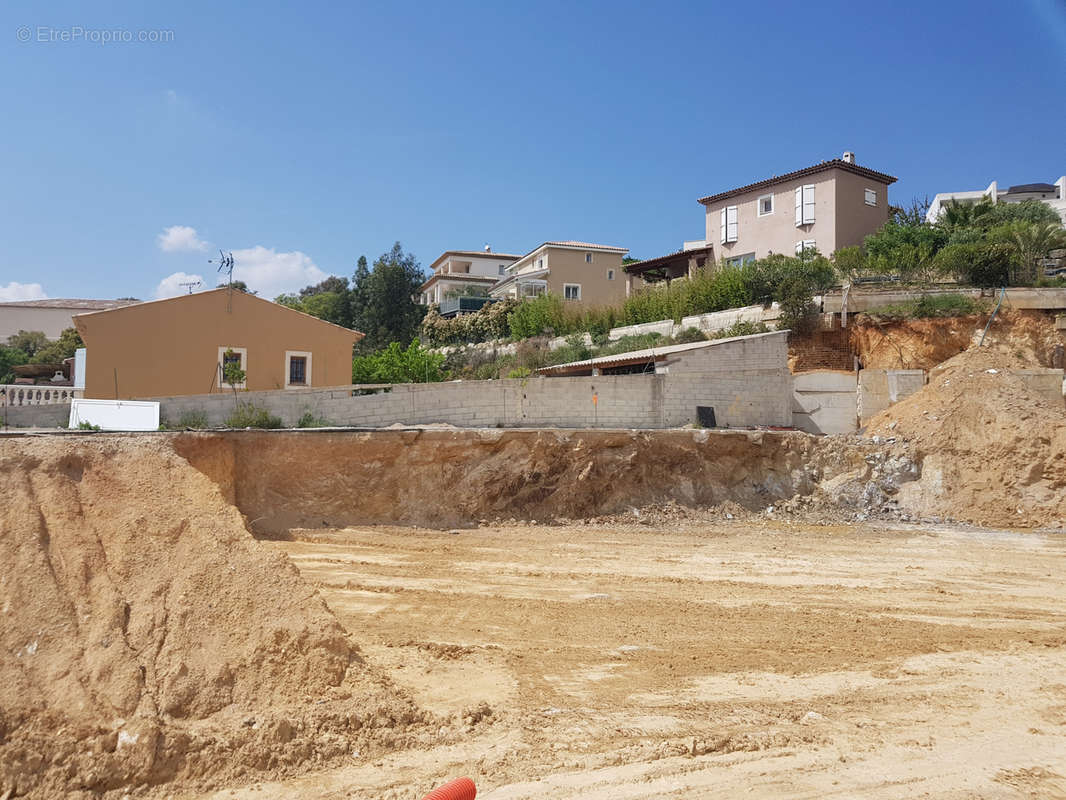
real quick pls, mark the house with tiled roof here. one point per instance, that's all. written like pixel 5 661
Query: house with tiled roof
pixel 575 271
pixel 458 272
pixel 828 205
pixel 51 316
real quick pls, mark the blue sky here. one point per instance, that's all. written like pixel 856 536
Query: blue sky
pixel 301 136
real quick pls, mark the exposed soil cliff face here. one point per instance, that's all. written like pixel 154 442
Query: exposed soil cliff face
pixel 447 478
pixel 925 343
pixel 146 636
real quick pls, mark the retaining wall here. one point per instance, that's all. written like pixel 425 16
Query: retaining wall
pixel 880 388
pixel 824 402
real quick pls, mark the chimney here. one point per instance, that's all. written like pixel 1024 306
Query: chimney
pixel 849 157
pixel 488 249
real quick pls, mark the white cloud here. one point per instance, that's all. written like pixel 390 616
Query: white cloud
pixel 21 291
pixel 271 273
pixel 171 286
pixel 179 239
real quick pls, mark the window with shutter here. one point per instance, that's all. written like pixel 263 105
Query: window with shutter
pixel 806 244
pixel 723 227
pixel 731 224
pixel 805 205
pixel 871 197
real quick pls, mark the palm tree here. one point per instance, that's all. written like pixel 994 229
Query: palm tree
pixel 1033 243
pixel 956 214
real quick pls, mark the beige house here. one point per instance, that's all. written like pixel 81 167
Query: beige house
pixel 179 346
pixel 826 206
pixel 50 317
pixel 456 271
pixel 575 271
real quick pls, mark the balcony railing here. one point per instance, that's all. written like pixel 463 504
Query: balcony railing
pixel 462 305
pixel 18 395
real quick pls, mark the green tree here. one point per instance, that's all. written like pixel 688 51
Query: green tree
pixel 10 357
pixel 1031 212
pixel 1032 242
pixel 390 313
pixel 240 286
pixel 330 306
pixel 396 364
pixel 62 348
pixel 357 294
pixel 905 250
pixel 333 283
pixel 29 342
pixel 955 214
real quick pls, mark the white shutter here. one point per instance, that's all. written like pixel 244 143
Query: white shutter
pixel 799 247
pixel 799 206
pixel 731 224
pixel 808 204
pixel 723 226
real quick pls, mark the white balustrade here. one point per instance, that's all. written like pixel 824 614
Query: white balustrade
pixel 17 395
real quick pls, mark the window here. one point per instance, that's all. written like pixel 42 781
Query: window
pixel 766 205
pixel 232 355
pixel 805 205
pixel 571 291
pixel 729 224
pixel 503 269
pixel 297 369
pixel 871 197
pixel 610 274
pixel 588 258
pixel 737 261
pixel 540 263
pixel 806 244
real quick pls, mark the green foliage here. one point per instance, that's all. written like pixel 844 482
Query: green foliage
pixel 329 306
pixel 541 316
pixel 28 342
pixel 798 312
pixel 249 415
pixel 232 374
pixel 627 344
pixel 10 357
pixel 189 420
pixel 904 250
pixel 1030 212
pixel 850 262
pixel 741 328
pixel 240 286
pixel 490 322
pixel 467 291
pixel 389 313
pixel 689 335
pixel 394 364
pixel 309 420
pixel 85 425
pixel 62 348
pixel 575 349
pixel 930 305
pixel 520 372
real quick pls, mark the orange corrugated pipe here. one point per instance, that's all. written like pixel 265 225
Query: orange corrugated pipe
pixel 459 789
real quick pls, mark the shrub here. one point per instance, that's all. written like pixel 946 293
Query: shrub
pixel 930 305
pixel 541 316
pixel 906 250
pixel 309 420
pixel 520 372
pixel 195 419
pixel 740 328
pixel 689 335
pixel 394 364
pixel 249 415
pixel 575 349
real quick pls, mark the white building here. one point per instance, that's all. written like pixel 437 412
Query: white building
pixel 50 317
pixel 1051 194
pixel 458 270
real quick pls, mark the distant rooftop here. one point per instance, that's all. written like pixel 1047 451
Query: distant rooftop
pixel 72 303
pixel 1032 187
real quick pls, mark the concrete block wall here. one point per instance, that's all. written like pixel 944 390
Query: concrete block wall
pixel 880 388
pixel 44 416
pixel 824 402
pixel 746 380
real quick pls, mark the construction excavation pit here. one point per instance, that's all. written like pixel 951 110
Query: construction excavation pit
pixel 566 614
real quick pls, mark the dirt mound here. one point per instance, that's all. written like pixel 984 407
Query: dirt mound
pixel 925 343
pixel 146 637
pixel 992 449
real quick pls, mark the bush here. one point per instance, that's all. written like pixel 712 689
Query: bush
pixel 741 328
pixel 309 420
pixel 930 305
pixel 395 364
pixel 689 335
pixel 520 372
pixel 488 323
pixel 249 415
pixel 189 420
pixel 541 316
pixel 905 250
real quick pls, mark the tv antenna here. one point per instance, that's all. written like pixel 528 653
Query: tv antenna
pixel 191 284
pixel 225 264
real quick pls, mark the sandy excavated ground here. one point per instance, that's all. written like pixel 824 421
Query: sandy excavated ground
pixel 754 659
